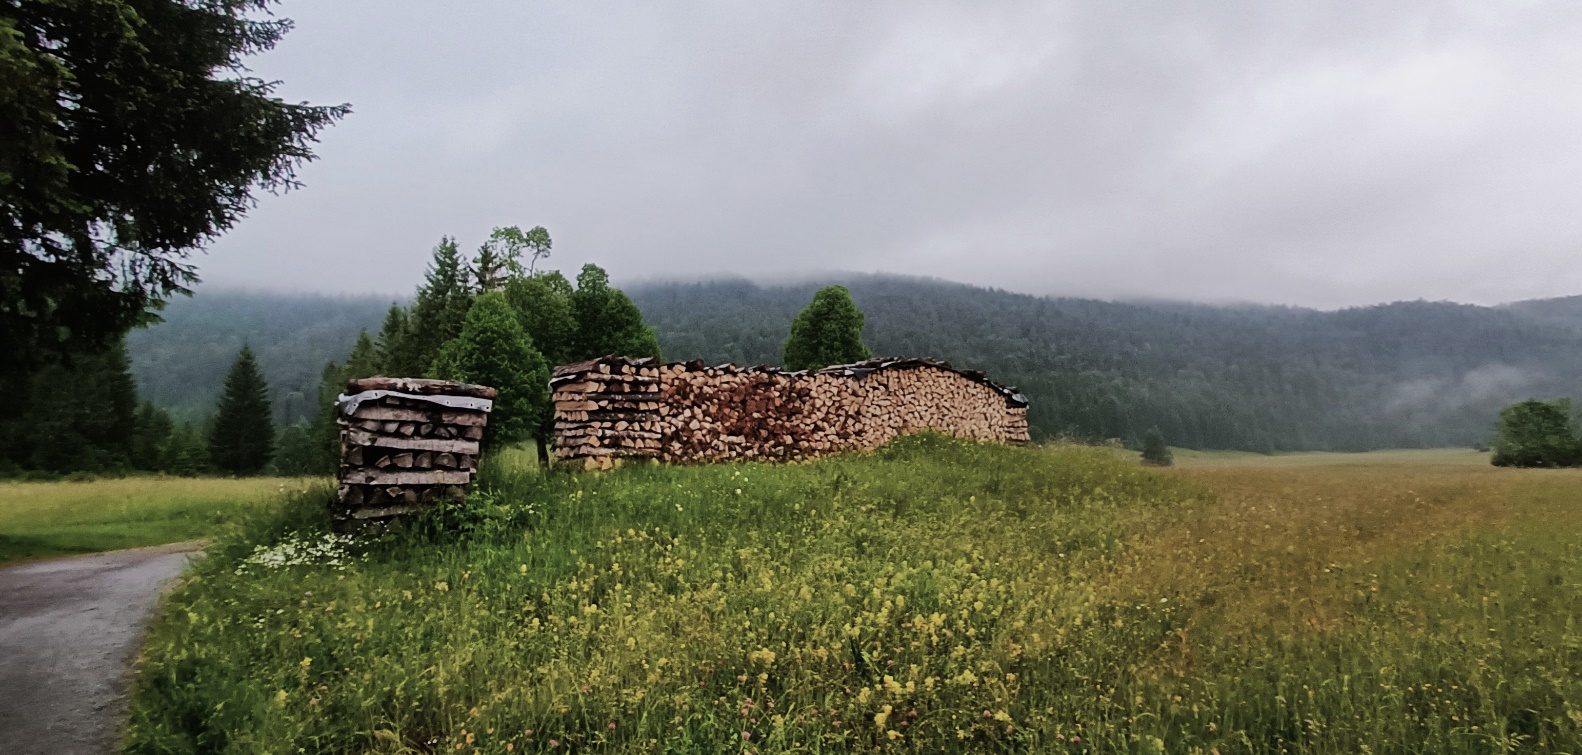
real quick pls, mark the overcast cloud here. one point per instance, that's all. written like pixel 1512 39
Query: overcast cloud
pixel 1315 153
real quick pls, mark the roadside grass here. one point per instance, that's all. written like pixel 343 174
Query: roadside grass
pixel 39 519
pixel 935 596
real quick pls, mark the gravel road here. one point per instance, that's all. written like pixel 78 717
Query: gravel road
pixel 69 631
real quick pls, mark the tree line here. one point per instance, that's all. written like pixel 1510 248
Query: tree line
pixel 493 318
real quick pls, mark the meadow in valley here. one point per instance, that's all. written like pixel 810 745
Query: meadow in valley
pixel 39 519
pixel 934 596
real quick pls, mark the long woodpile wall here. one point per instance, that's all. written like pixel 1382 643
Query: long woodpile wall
pixel 406 444
pixel 613 408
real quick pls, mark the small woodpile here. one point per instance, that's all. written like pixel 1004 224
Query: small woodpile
pixel 406 444
pixel 605 409
pixel 614 408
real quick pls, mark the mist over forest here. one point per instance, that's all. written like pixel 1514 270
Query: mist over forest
pixel 1258 378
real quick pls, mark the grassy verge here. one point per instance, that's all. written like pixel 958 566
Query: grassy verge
pixel 40 519
pixel 935 596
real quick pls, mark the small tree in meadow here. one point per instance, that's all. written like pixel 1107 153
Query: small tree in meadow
pixel 1536 434
pixel 1155 451
pixel 828 331
pixel 243 435
pixel 493 350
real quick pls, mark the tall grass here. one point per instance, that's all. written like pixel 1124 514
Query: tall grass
pixel 935 596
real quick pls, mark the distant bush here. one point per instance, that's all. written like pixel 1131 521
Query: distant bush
pixel 1155 451
pixel 1537 434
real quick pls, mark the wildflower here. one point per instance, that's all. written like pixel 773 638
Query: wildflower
pixel 554 743
pixel 611 726
pixel 746 735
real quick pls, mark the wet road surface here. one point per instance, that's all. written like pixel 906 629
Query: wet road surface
pixel 69 631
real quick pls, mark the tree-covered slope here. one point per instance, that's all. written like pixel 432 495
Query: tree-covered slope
pixel 1247 377
pixel 1250 377
pixel 181 363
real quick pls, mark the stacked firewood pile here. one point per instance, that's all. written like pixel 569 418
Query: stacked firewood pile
pixel 406 444
pixel 613 408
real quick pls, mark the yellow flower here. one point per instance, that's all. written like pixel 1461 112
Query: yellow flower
pixel 882 717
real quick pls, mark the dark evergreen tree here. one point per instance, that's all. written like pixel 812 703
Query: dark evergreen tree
pixel 395 347
pixel 151 440
pixel 188 452
pixel 297 452
pixel 441 306
pixel 1155 451
pixel 243 435
pixel 828 331
pixel 77 414
pixel 1537 434
pixel 493 350
pixel 132 134
pixel 607 320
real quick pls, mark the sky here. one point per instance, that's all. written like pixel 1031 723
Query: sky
pixel 1316 153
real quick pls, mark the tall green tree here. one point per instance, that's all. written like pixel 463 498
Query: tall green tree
pixel 80 414
pixel 243 435
pixel 828 331
pixel 1537 434
pixel 441 306
pixel 493 350
pixel 607 320
pixel 395 345
pixel 151 440
pixel 542 303
pixel 132 134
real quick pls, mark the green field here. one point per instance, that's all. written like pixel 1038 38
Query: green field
pixel 40 519
pixel 935 596
pixel 1186 457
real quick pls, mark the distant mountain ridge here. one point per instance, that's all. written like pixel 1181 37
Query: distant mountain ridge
pixel 1251 377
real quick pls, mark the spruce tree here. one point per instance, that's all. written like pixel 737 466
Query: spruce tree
pixel 151 441
pixel 243 435
pixel 608 322
pixel 493 350
pixel 79 414
pixel 441 306
pixel 1155 451
pixel 395 345
pixel 828 331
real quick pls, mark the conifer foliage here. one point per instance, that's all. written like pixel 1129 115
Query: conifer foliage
pixel 493 350
pixel 243 436
pixel 828 331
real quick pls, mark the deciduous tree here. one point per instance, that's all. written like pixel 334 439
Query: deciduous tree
pixel 607 320
pixel 493 350
pixel 828 331
pixel 1536 434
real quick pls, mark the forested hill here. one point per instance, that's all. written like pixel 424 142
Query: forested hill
pixel 1257 378
pixel 1250 377
pixel 181 363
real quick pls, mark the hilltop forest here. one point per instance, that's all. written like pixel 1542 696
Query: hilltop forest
pixel 1259 378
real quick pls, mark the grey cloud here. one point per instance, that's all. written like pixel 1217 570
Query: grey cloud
pixel 1314 153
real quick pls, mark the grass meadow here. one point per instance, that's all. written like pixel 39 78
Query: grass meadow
pixel 934 596
pixel 39 519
